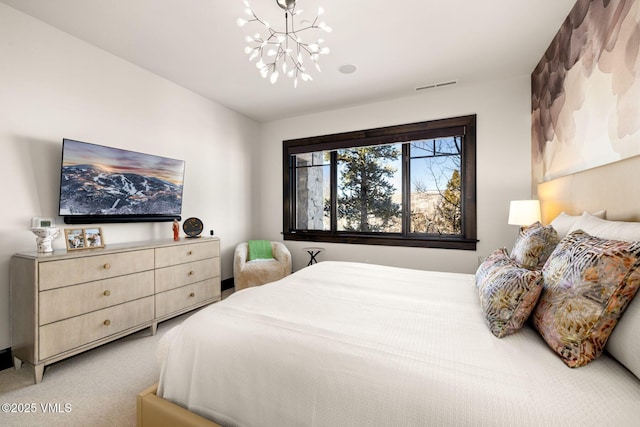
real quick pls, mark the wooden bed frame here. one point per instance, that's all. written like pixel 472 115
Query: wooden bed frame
pixel 154 411
pixel 613 187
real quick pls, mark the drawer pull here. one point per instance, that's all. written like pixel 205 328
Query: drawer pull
pixel 106 322
pixel 190 273
pixel 192 294
pixel 106 266
pixel 190 253
pixel 107 293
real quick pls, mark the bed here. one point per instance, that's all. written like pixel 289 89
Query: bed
pixel 350 344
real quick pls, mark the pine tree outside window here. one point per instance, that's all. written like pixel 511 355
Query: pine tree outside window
pixel 409 185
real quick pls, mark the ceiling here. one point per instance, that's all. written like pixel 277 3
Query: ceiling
pixel 396 46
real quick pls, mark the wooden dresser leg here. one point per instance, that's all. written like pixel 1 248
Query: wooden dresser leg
pixel 17 363
pixel 38 372
pixel 154 328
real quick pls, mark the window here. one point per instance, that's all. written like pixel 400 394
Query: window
pixel 408 185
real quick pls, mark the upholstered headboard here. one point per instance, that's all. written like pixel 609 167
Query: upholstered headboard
pixel 614 187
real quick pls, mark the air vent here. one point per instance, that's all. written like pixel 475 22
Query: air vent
pixel 452 82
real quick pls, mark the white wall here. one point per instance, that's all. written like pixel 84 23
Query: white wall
pixel 53 85
pixel 503 167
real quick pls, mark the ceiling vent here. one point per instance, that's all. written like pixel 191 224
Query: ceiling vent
pixel 452 82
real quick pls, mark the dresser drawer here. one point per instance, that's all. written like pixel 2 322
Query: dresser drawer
pixel 62 303
pixel 58 337
pixel 55 274
pixel 186 296
pixel 186 253
pixel 179 275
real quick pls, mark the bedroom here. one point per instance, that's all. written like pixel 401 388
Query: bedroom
pixel 66 88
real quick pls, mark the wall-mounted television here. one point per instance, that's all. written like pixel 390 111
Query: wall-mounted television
pixel 100 184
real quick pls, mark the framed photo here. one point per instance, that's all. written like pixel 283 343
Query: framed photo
pixel 93 237
pixel 74 238
pixel 83 238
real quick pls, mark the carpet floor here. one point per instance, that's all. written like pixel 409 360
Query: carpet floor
pixel 95 388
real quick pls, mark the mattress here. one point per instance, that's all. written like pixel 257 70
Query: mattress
pixel 351 344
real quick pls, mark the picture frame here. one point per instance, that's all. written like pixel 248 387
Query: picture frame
pixel 74 237
pixel 93 237
pixel 83 238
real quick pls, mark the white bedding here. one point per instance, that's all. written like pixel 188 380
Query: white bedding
pixel 347 344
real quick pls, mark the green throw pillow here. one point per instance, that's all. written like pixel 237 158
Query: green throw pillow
pixel 260 249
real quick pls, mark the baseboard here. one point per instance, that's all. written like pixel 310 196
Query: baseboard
pixel 5 359
pixel 227 284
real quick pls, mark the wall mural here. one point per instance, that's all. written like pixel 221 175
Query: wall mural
pixel 586 90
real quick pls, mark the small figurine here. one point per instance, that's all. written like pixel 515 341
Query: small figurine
pixel 176 227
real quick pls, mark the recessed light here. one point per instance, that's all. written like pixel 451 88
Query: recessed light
pixel 348 69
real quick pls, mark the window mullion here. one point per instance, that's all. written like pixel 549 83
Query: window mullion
pixel 333 171
pixel 406 190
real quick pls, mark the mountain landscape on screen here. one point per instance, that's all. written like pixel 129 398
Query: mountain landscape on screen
pixel 92 190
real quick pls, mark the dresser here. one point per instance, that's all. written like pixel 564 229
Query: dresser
pixel 68 302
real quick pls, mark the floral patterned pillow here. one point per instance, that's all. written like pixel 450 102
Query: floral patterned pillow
pixel 534 245
pixel 588 283
pixel 508 292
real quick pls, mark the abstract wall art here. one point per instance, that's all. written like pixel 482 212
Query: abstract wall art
pixel 585 108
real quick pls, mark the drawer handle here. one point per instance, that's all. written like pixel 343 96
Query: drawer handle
pixel 192 294
pixel 190 273
pixel 106 266
pixel 106 322
pixel 107 293
pixel 190 253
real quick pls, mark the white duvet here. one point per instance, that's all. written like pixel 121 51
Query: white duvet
pixel 347 344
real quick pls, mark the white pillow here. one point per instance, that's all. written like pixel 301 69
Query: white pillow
pixel 563 222
pixel 623 342
pixel 605 229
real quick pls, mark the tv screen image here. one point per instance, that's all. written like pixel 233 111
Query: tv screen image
pixel 105 184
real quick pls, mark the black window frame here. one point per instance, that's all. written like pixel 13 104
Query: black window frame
pixel 463 125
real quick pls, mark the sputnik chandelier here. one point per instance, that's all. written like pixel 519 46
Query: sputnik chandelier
pixel 284 50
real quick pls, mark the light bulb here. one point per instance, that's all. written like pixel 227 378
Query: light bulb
pixel 325 27
pixel 274 77
pixel 241 22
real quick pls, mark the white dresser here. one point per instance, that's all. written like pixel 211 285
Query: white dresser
pixel 67 302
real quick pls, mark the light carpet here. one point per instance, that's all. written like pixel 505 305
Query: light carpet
pixel 95 388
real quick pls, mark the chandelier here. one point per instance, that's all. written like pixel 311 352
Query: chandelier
pixel 284 51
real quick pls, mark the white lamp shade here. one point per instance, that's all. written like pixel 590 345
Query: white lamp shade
pixel 524 212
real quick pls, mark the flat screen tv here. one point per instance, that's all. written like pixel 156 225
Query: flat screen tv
pixel 100 184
